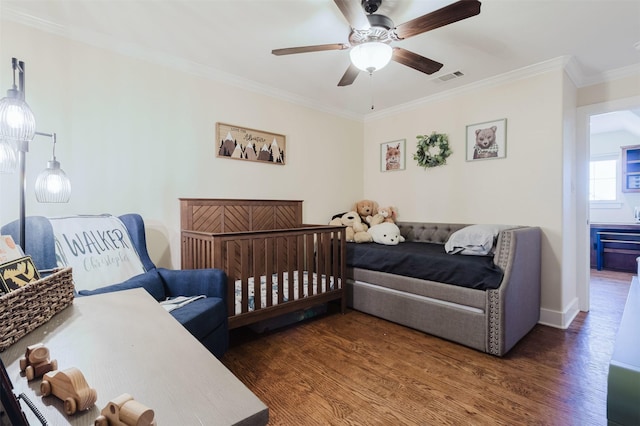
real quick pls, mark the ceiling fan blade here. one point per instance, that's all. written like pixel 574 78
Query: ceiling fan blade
pixel 447 15
pixel 306 49
pixel 415 61
pixel 349 75
pixel 352 10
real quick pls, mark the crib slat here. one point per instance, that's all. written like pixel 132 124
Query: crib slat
pixel 289 267
pixel 329 262
pixel 311 262
pixel 269 267
pixel 335 251
pixel 245 274
pixel 328 241
pixel 300 263
pixel 280 267
pixel 203 258
pixel 225 258
pixel 253 262
pixel 320 261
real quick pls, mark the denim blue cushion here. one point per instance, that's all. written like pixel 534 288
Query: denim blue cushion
pixel 150 281
pixel 202 316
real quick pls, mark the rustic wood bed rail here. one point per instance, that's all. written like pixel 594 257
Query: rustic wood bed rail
pixel 271 271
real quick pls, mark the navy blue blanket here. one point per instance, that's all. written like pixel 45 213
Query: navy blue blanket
pixel 427 261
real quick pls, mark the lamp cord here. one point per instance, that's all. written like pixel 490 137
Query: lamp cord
pixel 54 146
pixel 14 66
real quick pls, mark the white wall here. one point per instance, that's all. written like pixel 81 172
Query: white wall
pixel 569 300
pixel 616 88
pixel 524 188
pixel 135 136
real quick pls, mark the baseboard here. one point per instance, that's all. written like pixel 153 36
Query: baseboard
pixel 559 319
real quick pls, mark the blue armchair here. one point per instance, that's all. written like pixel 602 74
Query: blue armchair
pixel 205 319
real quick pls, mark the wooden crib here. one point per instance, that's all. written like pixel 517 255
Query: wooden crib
pixel 263 246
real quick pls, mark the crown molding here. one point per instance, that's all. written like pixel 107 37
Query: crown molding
pixel 616 74
pixel 574 71
pixel 567 63
pixel 132 50
pixel 13 15
pixel 525 72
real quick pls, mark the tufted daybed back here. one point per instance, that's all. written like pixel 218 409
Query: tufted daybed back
pixel 428 232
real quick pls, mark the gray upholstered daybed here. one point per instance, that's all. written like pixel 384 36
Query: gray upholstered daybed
pixel 491 319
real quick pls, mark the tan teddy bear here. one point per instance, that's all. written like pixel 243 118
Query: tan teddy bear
pixel 365 208
pixel 356 231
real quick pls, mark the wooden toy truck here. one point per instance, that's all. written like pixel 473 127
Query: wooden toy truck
pixel 125 411
pixel 36 361
pixel 71 387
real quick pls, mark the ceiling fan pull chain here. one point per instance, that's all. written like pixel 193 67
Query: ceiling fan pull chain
pixel 371 88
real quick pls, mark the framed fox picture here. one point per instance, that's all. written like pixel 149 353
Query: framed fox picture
pixel 392 156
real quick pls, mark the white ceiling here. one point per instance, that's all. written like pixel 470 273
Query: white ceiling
pixel 232 40
pixel 615 121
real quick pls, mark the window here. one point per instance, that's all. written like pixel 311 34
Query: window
pixel 603 182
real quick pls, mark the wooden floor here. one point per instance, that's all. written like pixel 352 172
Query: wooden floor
pixel 355 369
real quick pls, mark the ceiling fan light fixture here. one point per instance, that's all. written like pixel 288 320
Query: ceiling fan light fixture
pixel 371 56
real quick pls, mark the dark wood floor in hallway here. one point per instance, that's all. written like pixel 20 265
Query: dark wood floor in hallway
pixel 355 369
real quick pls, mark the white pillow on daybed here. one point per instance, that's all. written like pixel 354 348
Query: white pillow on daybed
pixel 475 240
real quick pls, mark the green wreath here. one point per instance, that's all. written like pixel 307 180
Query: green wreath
pixel 424 157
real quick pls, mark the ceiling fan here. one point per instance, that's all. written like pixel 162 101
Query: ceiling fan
pixel 372 34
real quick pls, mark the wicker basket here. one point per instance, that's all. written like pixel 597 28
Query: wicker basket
pixel 22 310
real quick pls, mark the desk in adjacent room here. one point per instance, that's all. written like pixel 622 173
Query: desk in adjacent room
pixel 125 342
pixel 615 246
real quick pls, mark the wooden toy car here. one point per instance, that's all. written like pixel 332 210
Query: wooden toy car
pixel 71 387
pixel 125 411
pixel 36 361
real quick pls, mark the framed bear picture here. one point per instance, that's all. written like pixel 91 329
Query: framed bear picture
pixel 487 141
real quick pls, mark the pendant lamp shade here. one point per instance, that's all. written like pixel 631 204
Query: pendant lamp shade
pixel 52 184
pixel 371 56
pixel 17 122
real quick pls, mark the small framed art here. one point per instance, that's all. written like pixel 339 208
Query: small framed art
pixel 487 140
pixel 17 273
pixel 392 155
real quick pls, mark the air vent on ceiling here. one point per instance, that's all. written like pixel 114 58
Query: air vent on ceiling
pixel 450 76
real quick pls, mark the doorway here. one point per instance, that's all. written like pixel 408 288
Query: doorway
pixel 599 128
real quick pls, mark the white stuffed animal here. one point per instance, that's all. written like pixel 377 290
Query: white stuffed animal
pixel 386 233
